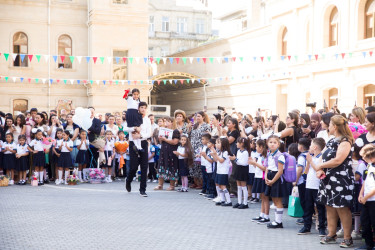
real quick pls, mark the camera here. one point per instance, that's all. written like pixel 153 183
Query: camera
pixel 311 104
pixel 220 108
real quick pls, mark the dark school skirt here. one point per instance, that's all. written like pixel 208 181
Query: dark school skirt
pixel 82 157
pixel 9 161
pixel 259 186
pixel 221 179
pixel 39 159
pixel 55 158
pixel 65 160
pixel 277 189
pixel 1 159
pixel 250 182
pixel 107 154
pixel 22 163
pixel 183 170
pixel 133 118
pixel 241 173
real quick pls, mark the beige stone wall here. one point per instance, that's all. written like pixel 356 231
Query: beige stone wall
pixel 109 26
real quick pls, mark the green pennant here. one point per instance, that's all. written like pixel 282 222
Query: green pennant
pixel 6 79
pixel 350 54
pixel 232 78
pixel 269 58
pixel 91 82
pixel 64 81
pixel 36 80
pixel 71 58
pixel 165 82
pixel 101 59
pixel 141 81
pixel 184 60
pixel 38 57
pixel 211 59
pixel 241 59
pixel 116 82
pixel 158 60
pixel 187 80
pixel 296 58
pixel 324 56
pixel 6 56
pixel 131 59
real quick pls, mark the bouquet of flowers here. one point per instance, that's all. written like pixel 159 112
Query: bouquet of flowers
pixel 96 175
pixel 121 147
pixel 47 143
pixel 72 179
pixel 357 129
pixel 99 143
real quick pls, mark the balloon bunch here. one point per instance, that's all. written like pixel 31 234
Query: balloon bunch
pixel 82 118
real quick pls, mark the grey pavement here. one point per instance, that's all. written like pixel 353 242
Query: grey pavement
pixel 105 216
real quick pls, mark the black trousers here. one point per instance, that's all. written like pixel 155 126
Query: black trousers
pixel 301 191
pixel 210 184
pixel 310 200
pixel 135 161
pixel 368 223
pixel 152 171
pixel 94 155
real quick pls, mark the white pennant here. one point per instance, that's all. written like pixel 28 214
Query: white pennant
pixel 216 79
pixel 218 59
pixel 191 59
pixel 109 59
pixel 192 80
pixel 122 82
pixel 170 81
pixel 97 82
pixel 164 60
pixel 14 79
pixel 43 80
pixel 137 60
pixel 71 81
pixel 14 56
pixel 46 57
pixel 79 58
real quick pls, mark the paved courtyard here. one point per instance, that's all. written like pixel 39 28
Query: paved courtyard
pixel 105 216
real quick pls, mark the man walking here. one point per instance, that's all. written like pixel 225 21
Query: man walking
pixel 140 157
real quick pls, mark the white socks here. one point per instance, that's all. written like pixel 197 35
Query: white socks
pixel 60 175
pixel 227 196
pixel 279 215
pixel 66 175
pixel 261 215
pixel 218 190
pixel 239 194
pixel 80 175
pixel 137 143
pixel 222 196
pixel 41 175
pixel 245 194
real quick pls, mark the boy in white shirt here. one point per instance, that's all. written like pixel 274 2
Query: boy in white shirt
pixel 312 187
pixel 367 197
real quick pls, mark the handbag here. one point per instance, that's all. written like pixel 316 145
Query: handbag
pixel 294 207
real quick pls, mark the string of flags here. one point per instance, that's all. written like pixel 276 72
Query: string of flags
pixel 16 79
pixel 180 60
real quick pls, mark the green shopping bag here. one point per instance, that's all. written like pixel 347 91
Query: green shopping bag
pixel 295 208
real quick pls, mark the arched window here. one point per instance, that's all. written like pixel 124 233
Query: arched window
pixel 370 19
pixel 284 42
pixel 20 47
pixel 334 27
pixel 65 49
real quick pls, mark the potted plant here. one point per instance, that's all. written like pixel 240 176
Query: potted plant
pixel 72 179
pixel 96 175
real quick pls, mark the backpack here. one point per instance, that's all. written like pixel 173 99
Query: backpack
pixel 290 167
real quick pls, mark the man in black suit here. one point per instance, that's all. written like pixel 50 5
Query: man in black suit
pixel 93 132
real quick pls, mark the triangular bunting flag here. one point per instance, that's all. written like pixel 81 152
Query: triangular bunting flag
pixel 79 59
pixel 350 54
pixel 157 60
pixel 21 79
pixel 198 59
pixel 62 58
pixel 117 59
pixel 191 59
pixel 296 58
pixel 71 58
pixel 226 59
pixel 234 59
pixel 71 81
pixel 269 58
pixel 14 56
pixel 29 80
pixel 309 57
pixel 199 80
pixel 204 59
pixel 14 79
pixel 36 80
pixel 370 52
pixel 254 58
pixel 165 82
pixel 164 60
pixel 104 81
pixel 261 58
pixel 170 81
pixel 38 57
pixel 211 59
pixel 177 60
pixel 6 55
pixel 182 81
pixel 171 60
pixel 289 57
pixel 22 57
pixel 192 81
pixel 364 53
pixel 116 82
pixel 131 60
pixel 88 59
pixel 64 81
pixel 137 60
pixel 6 78
pixel 145 59
pixel 282 58
pixel 316 57
pixel 336 56
pixel 97 82
pixel 78 81
pixel 241 59
pixel 94 58
pixel 187 80
pixel 342 55
pixel 175 81
pixel 184 60
pixel 102 59
pixel 109 59
pixel 158 82
pixel 122 82
pixel 46 58
pixel 54 58
pixel 51 81
pixel 124 59
pixel 58 80
pixel 44 80
pixel 218 59
pixel 30 57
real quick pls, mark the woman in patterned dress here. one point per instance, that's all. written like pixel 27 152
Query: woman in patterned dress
pixel 182 124
pixel 201 126
pixel 337 187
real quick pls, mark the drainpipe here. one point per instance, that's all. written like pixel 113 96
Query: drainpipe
pixel 49 53
pixel 88 52
pixel 205 95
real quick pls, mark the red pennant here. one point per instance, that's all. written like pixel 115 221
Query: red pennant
pixel 62 58
pixel 226 78
pixel 135 81
pixel 234 59
pixel 94 58
pixel 58 80
pixel 269 75
pixel 177 60
pixel 151 59
pixel 370 52
pixel 158 82
pixel 289 58
pixel 110 82
pixel 342 55
pixel 261 58
pixel 204 59
pixel 182 81
pixel 248 77
pixel 316 57
pixel 29 79
pixel 124 59
pixel 30 57
pixel 84 81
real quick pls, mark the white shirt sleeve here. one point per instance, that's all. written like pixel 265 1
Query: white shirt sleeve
pixel 242 158
pixel 301 162
pixel 146 129
pixel 225 155
pixel 281 159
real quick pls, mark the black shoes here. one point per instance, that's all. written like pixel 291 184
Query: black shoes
pixel 229 204
pixel 274 225
pixel 128 185
pixel 322 232
pixel 256 219
pixel 304 231
pixel 143 194
pixel 243 206
pixel 236 206
pixel 219 203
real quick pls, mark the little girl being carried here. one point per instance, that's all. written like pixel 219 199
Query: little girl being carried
pixel 133 117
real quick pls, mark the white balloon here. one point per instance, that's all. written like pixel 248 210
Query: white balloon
pixel 79 112
pixel 77 120
pixel 86 123
pixel 87 113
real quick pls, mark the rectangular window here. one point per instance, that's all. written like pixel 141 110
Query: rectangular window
pixel 151 25
pixel 120 1
pixel 165 24
pixel 120 69
pixel 200 26
pixel 182 25
pixel 164 51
